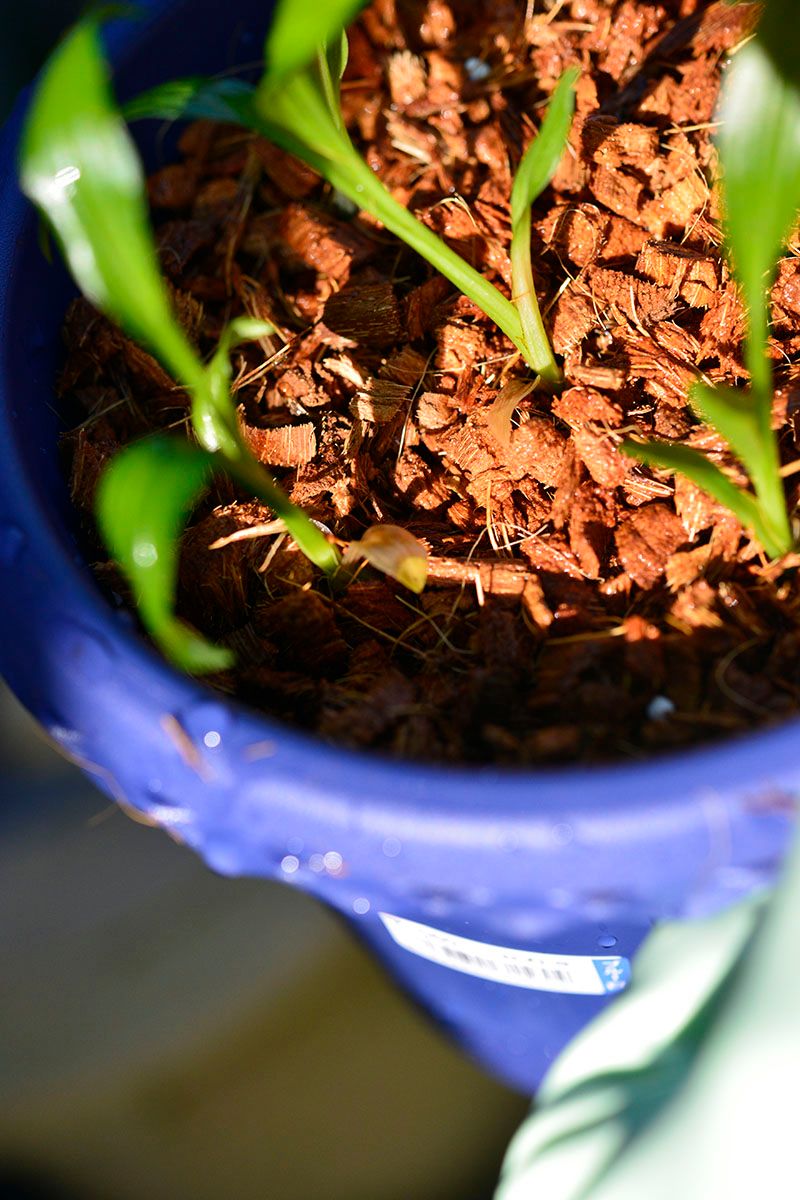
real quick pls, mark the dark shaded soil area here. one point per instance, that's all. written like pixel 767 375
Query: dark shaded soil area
pixel 580 606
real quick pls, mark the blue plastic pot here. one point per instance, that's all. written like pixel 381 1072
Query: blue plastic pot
pixel 573 863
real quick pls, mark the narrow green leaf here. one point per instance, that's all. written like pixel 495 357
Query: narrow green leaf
pixel 213 413
pixel 330 65
pixel 734 415
pixel 301 115
pixel 759 148
pixel 337 50
pixel 306 532
pixel 671 456
pixel 737 416
pixel 144 499
pixel 79 165
pixel 540 161
pixel 217 427
pixel 192 98
pixel 537 168
pixel 299 27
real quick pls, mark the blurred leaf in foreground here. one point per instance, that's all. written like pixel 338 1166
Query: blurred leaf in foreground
pixel 684 1087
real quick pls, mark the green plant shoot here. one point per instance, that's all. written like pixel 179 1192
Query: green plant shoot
pixel 538 166
pixel 299 110
pixel 759 151
pixel 79 165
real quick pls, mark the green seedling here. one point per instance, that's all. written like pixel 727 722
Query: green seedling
pixel 79 165
pixel 298 108
pixel 759 152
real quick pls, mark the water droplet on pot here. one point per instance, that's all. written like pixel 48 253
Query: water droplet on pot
pixel 12 544
pixel 170 816
pixel 162 808
pixel 316 863
pixel 607 941
pixel 562 834
pixel 333 862
pixel 289 864
pixel 62 734
pixel 392 846
pixel 294 845
pixel 361 906
pixel 206 722
pixel 509 842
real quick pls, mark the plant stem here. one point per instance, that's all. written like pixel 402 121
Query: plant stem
pixel 767 480
pixel 309 537
pixel 765 466
pixel 217 431
pixel 540 355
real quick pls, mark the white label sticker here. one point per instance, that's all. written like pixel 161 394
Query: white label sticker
pixel 578 974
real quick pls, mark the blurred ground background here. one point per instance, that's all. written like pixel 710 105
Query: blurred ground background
pixel 169 1035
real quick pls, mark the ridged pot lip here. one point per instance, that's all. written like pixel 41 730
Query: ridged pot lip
pixel 758 759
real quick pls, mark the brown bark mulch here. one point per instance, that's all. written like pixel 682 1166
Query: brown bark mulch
pixel 580 606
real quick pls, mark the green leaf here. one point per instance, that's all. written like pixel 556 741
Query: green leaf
pixel 336 53
pixel 671 456
pixel 759 148
pixel 144 499
pixel 737 416
pixel 733 413
pixel 617 1079
pixel 537 168
pixel 193 98
pixel 299 27
pixel 330 66
pixel 540 161
pixel 683 1087
pixel 79 165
